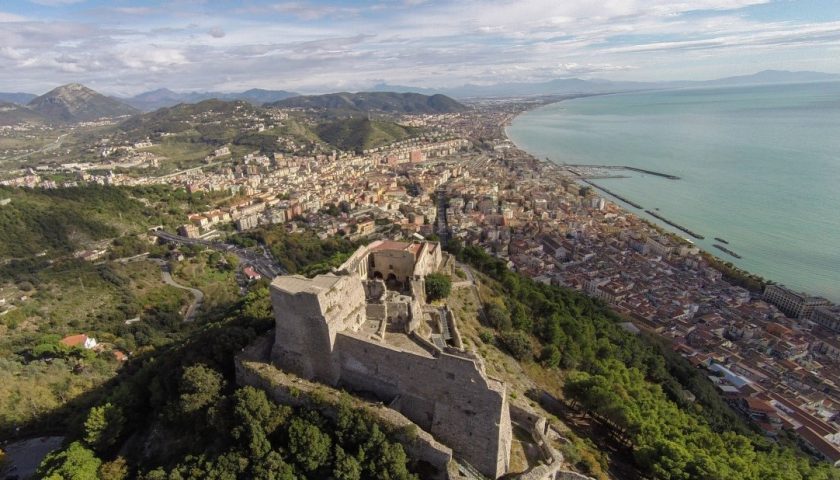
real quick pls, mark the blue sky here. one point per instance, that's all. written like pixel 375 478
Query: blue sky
pixel 124 47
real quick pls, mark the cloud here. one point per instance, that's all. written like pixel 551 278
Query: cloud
pixel 216 32
pixel 55 3
pixel 306 45
pixel 10 17
pixel 132 10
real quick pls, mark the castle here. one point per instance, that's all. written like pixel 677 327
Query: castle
pixel 366 328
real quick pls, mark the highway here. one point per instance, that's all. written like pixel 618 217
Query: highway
pixel 262 262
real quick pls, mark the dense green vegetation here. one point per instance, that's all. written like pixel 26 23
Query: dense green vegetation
pixel 387 102
pixel 633 384
pixel 176 413
pixel 301 252
pixel 360 133
pixel 59 220
pixel 438 286
pixel 62 220
pixel 70 297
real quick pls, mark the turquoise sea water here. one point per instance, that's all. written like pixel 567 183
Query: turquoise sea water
pixel 758 166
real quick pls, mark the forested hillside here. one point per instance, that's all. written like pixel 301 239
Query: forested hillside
pixel 634 385
pixel 59 221
pixel 361 133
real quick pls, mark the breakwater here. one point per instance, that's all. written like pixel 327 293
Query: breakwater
pixel 675 225
pixel 628 202
pixel 623 167
pixel 651 172
pixel 726 250
pixel 721 240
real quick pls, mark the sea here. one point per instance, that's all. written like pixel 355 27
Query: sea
pixel 759 167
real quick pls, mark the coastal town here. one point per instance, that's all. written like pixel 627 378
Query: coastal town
pixel 773 354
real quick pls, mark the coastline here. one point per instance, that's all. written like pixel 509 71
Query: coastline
pixel 623 203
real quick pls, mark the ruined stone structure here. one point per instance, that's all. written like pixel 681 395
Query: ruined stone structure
pixel 366 328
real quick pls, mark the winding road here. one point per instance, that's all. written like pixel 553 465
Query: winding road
pixel 198 295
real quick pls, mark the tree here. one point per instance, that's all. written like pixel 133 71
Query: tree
pixel 103 426
pixel 200 387
pixel 115 470
pixel 273 467
pixel 497 316
pixel 346 467
pixel 438 286
pixel 455 246
pixel 551 356
pixel 309 446
pixel 73 463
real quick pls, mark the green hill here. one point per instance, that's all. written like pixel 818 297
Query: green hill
pixel 357 134
pixel 388 102
pixel 62 220
pixel 67 219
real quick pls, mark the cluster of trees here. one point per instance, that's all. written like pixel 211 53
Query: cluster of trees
pixel 53 220
pixel 634 384
pixel 301 252
pixel 671 443
pixel 59 220
pixel 177 414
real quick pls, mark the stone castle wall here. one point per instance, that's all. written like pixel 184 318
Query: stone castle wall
pixel 321 335
pixel 252 370
pixel 446 395
pixel 308 321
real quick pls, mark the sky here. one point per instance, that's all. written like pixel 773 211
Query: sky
pixel 310 46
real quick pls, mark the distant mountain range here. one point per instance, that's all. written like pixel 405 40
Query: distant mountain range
pixel 163 97
pixel 75 102
pixel 388 102
pixel 566 86
pixel 18 98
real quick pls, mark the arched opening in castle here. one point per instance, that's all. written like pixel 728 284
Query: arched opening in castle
pixel 366 327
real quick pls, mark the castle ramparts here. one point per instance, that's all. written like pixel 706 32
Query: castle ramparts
pixel 367 328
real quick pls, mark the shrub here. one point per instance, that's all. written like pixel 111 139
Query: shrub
pixel 438 286
pixel 517 344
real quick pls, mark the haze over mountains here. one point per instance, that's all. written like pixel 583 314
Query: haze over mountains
pixel 75 102
pixel 564 86
pixel 163 97
pixel 18 98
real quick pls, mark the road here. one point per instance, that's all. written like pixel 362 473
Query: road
pixel 198 295
pixel 46 148
pixel 166 276
pixel 262 262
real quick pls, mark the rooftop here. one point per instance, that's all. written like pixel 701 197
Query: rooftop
pixel 296 284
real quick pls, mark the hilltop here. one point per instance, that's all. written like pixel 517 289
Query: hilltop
pixel 77 103
pixel 386 102
pixel 356 134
